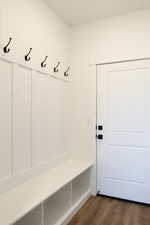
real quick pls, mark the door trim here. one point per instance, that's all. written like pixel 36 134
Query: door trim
pixel 122 61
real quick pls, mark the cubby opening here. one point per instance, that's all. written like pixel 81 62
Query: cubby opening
pixel 57 205
pixel 80 185
pixel 34 217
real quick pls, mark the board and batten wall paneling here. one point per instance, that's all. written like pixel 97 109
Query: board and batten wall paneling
pixel 5 119
pixel 32 111
pixel 21 119
pixel 32 126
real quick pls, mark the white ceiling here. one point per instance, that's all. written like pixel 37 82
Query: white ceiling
pixel 84 11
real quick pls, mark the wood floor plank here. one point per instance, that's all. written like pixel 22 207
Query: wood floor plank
pixel 109 211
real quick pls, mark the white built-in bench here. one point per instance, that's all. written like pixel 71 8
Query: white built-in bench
pixel 49 199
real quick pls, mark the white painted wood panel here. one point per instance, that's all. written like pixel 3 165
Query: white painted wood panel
pixel 120 160
pixel 21 119
pixel 32 123
pixel 40 119
pixel 5 118
pixel 121 90
pixel 47 126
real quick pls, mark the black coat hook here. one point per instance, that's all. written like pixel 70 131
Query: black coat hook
pixel 66 74
pixel 56 67
pixel 6 49
pixel 43 64
pixel 26 56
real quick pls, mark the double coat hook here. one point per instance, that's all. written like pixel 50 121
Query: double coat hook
pixel 66 74
pixel 6 49
pixel 43 64
pixel 26 56
pixel 56 67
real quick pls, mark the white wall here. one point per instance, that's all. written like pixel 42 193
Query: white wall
pixel 32 24
pixel 33 113
pixel 118 38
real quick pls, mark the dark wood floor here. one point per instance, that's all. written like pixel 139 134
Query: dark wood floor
pixel 109 211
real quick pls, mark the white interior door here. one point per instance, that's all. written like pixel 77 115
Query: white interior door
pixel 123 108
